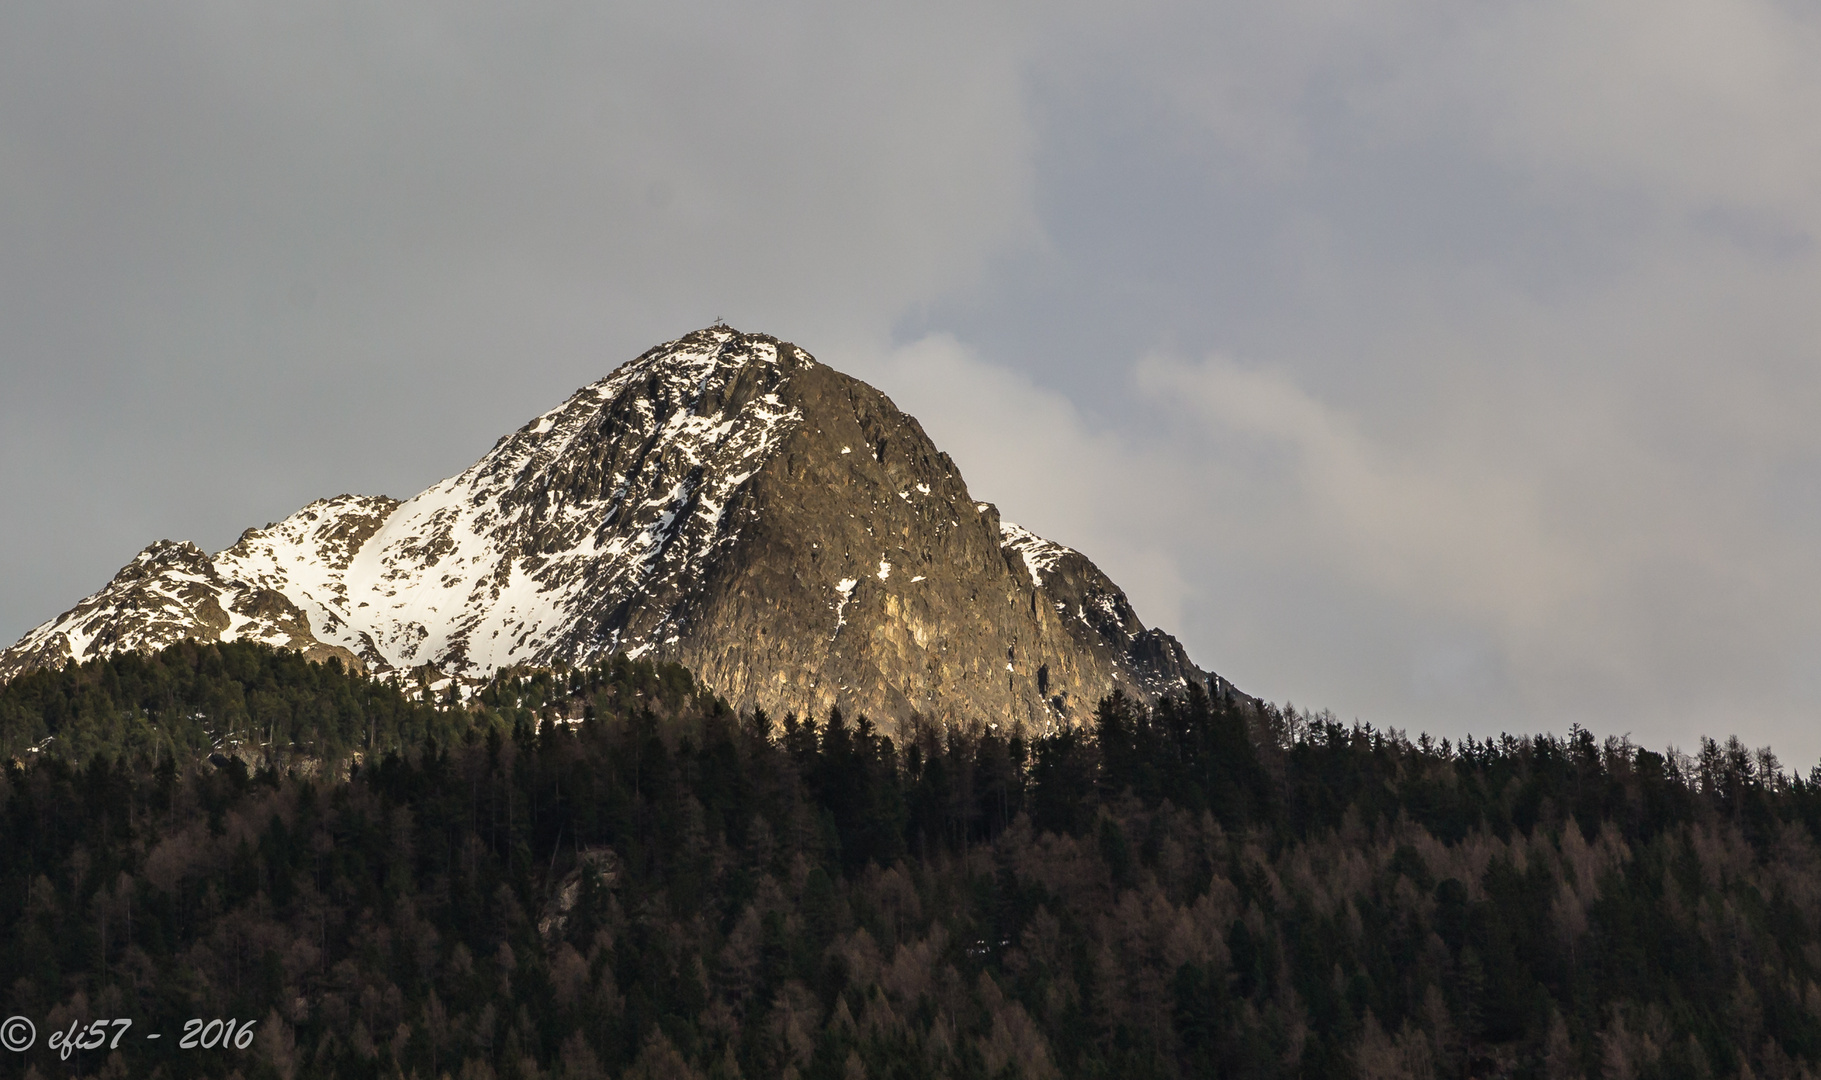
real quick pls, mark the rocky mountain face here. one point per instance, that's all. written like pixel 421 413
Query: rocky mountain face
pixel 724 501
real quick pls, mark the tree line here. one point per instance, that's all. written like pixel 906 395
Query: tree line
pixel 608 872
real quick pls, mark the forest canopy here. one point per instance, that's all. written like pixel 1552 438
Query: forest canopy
pixel 608 872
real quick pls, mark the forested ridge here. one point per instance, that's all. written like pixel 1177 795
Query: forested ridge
pixel 607 873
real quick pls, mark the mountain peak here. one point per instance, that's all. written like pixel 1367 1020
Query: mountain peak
pixel 722 500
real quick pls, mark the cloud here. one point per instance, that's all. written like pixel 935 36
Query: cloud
pixel 1565 568
pixel 1464 537
pixel 1688 102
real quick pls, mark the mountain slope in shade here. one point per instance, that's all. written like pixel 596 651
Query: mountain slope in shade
pixel 724 501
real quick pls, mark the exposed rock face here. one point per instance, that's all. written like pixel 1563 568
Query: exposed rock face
pixel 724 501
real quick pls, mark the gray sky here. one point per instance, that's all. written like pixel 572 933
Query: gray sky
pixel 1454 367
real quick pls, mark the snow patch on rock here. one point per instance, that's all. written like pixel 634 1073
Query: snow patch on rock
pixel 1039 555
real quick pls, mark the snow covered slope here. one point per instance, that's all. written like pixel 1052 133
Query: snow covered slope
pixel 723 500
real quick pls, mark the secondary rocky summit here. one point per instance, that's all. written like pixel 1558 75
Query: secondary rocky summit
pixel 724 501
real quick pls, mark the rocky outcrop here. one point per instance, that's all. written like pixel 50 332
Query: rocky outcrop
pixel 169 592
pixel 724 501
